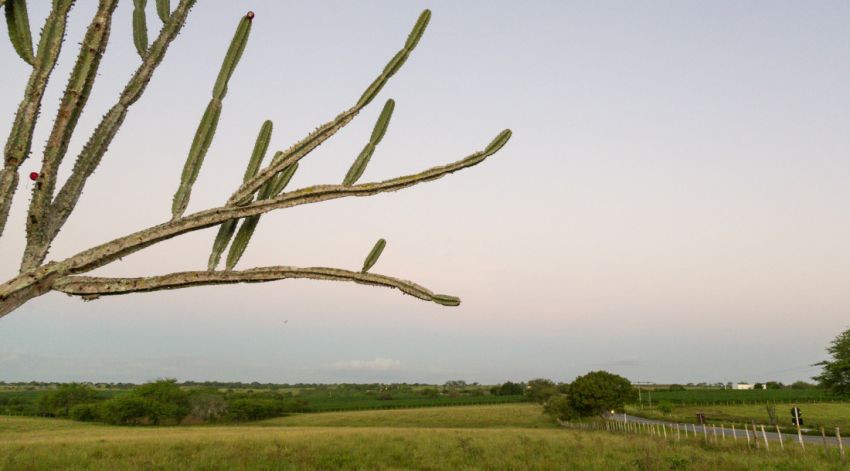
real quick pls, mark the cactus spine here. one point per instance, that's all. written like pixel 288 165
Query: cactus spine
pixel 373 256
pixel 362 160
pixel 140 27
pixel 18 24
pixel 163 9
pixel 226 230
pixel 209 122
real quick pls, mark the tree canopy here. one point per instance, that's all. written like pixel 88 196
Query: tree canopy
pixel 835 375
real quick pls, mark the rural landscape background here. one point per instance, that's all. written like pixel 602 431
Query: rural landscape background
pixel 671 208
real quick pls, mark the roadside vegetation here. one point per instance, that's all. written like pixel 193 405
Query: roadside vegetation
pixel 513 436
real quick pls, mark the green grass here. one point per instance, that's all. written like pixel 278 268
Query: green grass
pixel 488 437
pixel 499 416
pixel 828 414
pixel 732 396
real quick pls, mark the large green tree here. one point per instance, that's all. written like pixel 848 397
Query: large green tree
pixel 836 372
pixel 599 391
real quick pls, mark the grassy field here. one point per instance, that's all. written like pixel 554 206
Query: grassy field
pixel 486 437
pixel 732 396
pixel 828 414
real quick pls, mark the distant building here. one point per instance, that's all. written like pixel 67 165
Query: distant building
pixel 745 386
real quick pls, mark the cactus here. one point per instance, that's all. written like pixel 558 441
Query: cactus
pixel 359 165
pixel 226 230
pixel 262 189
pixel 373 256
pixel 206 129
pixel 163 9
pixel 140 27
pixel 18 24
pixel 249 224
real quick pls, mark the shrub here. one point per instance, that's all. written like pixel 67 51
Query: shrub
pixel 540 390
pixel 254 409
pixel 600 391
pixel 58 403
pixel 84 412
pixel 507 389
pixel 207 406
pixel 125 410
pixel 665 407
pixel 559 407
pixel 676 387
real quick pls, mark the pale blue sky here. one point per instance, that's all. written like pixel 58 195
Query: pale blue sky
pixel 673 205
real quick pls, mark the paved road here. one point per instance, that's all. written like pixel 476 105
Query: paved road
pixel 787 438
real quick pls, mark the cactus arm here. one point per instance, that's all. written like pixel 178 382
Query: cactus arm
pixel 327 130
pixel 19 143
pixel 91 155
pixel 249 224
pixel 206 128
pixel 73 101
pixel 140 27
pixel 38 281
pixel 93 287
pixel 373 256
pixel 18 23
pixel 226 230
pixel 163 10
pixel 359 166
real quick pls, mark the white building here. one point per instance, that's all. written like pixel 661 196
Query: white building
pixel 745 386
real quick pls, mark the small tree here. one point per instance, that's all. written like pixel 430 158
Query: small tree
pixel 507 388
pixel 59 403
pixel 261 189
pixel 598 392
pixel 836 371
pixel 540 390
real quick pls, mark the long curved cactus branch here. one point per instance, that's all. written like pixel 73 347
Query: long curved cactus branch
pixel 38 281
pixel 73 101
pixel 19 143
pixel 91 287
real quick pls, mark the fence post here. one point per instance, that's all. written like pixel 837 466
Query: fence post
pixel 664 428
pixel 840 445
pixel 799 433
pixel 823 434
pixel 747 432
pixel 779 432
pixel 705 432
pixel 755 434
pixel 694 429
pixel 714 432
pixel 766 445
pixel 722 432
pixel 734 434
pixel 678 436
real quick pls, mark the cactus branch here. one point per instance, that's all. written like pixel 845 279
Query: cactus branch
pixel 36 282
pixel 163 10
pixel 140 27
pixel 373 256
pixel 206 128
pixel 19 143
pixel 92 287
pixel 359 166
pixel 18 23
pixel 91 155
pixel 324 132
pixel 73 101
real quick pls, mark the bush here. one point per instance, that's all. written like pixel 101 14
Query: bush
pixel 254 409
pixel 207 406
pixel 676 387
pixel 125 410
pixel 559 407
pixel 507 389
pixel 58 403
pixel 84 412
pixel 540 390
pixel 665 407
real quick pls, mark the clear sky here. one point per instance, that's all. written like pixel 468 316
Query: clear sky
pixel 673 205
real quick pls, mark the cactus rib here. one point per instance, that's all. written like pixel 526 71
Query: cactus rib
pixel 163 9
pixel 206 129
pixel 17 21
pixel 446 300
pixel 373 256
pixel 359 166
pixel 140 27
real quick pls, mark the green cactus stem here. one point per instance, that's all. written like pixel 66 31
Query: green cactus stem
pixel 373 256
pixel 226 230
pixel 249 224
pixel 18 24
pixel 362 160
pixel 206 129
pixel 163 9
pixel 324 132
pixel 446 300
pixel 140 27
